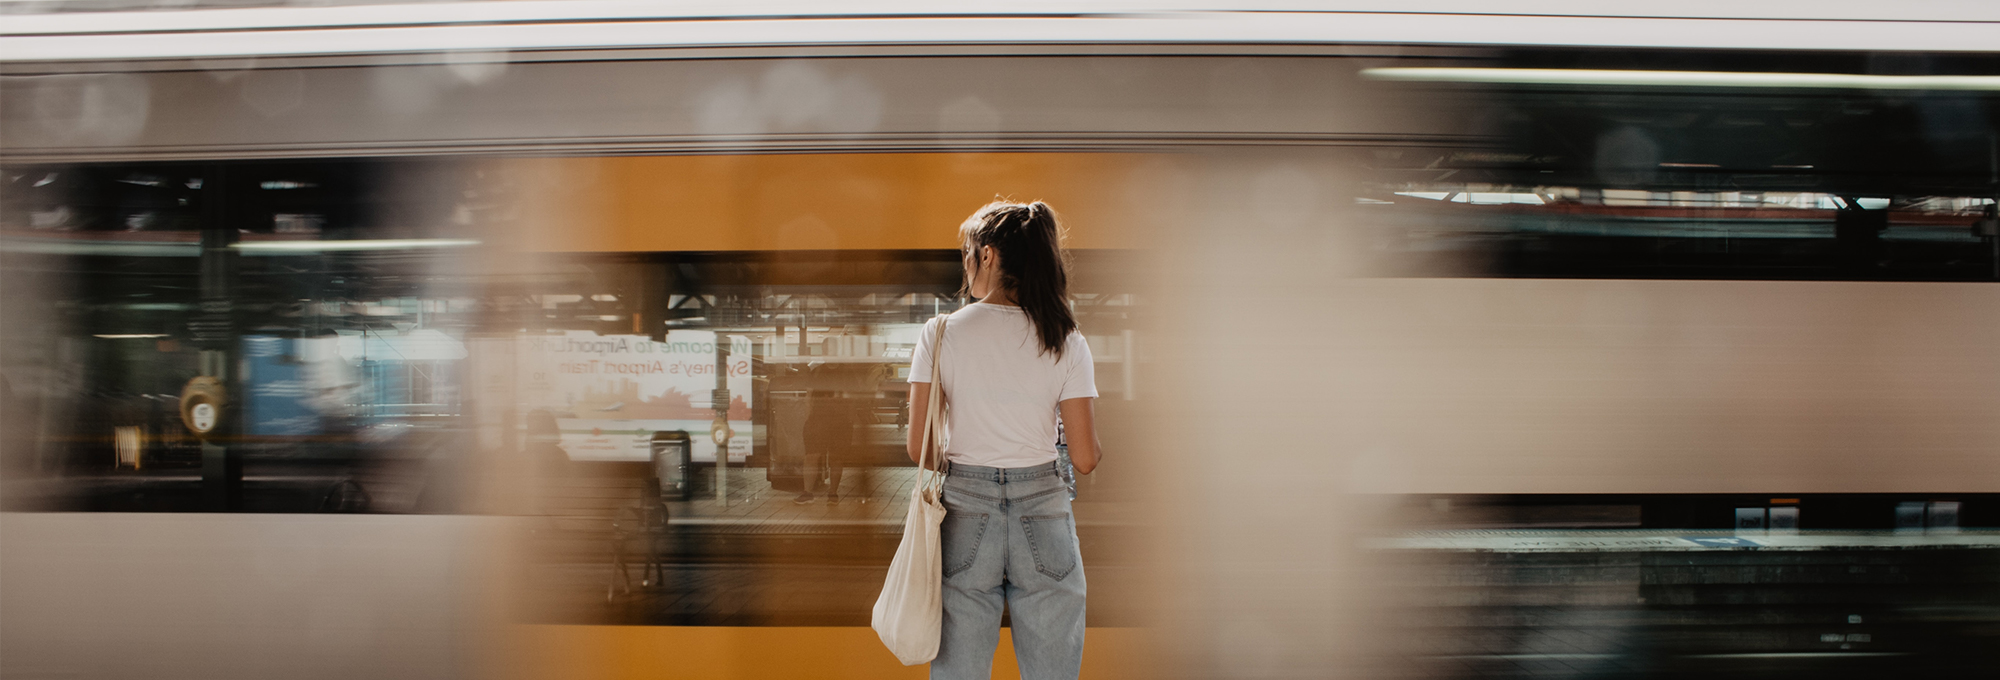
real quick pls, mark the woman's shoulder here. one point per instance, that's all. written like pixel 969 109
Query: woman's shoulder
pixel 974 309
pixel 1076 344
pixel 962 315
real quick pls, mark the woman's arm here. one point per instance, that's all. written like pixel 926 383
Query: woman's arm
pixel 920 404
pixel 1079 418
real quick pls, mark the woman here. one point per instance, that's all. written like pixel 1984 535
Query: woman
pixel 1010 363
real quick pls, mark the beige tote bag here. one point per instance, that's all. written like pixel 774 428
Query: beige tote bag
pixel 909 615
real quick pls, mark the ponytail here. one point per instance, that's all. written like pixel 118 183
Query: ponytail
pixel 1033 265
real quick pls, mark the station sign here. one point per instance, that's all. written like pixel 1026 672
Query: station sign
pixel 610 393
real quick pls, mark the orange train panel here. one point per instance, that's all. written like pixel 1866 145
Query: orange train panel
pixel 816 201
pixel 558 652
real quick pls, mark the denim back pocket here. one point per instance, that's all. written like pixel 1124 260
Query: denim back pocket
pixel 1053 540
pixel 962 533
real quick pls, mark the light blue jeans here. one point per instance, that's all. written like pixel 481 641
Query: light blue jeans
pixel 1009 540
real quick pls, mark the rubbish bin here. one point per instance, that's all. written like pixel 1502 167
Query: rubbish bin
pixel 671 452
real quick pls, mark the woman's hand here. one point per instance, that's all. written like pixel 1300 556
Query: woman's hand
pixel 1079 418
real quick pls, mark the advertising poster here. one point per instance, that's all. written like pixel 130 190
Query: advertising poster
pixel 280 390
pixel 610 393
pixel 291 385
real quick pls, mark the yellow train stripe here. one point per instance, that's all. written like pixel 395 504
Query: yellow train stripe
pixel 559 652
pixel 817 201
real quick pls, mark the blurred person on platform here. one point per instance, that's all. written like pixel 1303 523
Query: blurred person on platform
pixel 829 445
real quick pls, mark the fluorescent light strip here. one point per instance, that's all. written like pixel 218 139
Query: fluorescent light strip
pixel 1615 78
pixel 129 336
pixel 1793 655
pixel 359 244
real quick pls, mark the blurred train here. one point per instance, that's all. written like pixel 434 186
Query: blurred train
pixel 1564 266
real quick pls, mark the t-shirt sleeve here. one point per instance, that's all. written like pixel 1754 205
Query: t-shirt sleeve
pixel 920 360
pixel 1080 378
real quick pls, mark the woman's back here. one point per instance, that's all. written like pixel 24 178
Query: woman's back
pixel 1006 367
pixel 1000 387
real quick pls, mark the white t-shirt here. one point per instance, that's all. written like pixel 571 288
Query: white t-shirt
pixel 1001 388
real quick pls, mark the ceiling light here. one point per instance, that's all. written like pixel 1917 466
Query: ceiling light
pixel 1426 195
pixel 273 247
pixel 1477 197
pixel 1553 76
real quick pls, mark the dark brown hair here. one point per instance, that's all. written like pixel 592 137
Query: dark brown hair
pixel 1033 265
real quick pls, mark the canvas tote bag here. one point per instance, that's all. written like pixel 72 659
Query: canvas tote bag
pixel 909 615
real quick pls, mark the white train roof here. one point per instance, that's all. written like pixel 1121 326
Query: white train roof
pixel 538 25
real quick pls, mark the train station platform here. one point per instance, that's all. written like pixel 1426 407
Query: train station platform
pixel 873 501
pixel 1657 540
pixel 754 556
pixel 1665 603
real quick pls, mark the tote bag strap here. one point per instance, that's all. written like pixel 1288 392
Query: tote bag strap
pixel 934 415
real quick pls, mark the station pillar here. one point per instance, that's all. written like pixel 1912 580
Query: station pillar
pixel 213 331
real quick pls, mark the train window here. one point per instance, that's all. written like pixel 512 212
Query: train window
pixel 319 296
pixel 420 336
pixel 1659 165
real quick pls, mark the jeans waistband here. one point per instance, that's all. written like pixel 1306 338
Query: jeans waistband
pixel 1003 474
